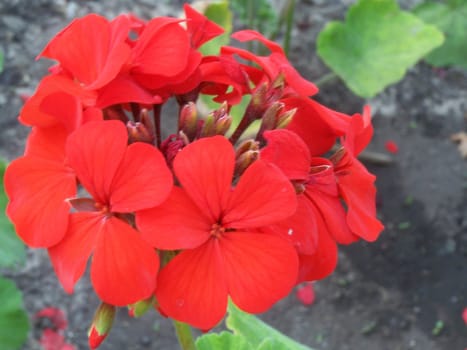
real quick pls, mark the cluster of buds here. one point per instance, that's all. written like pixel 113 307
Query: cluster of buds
pixel 222 207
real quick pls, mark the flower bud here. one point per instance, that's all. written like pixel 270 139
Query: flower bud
pixel 245 160
pixel 247 145
pixel 285 118
pixel 101 325
pixel 137 132
pixel 187 121
pixel 139 308
pixel 271 117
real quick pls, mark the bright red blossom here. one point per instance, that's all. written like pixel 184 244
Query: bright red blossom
pixel 121 179
pixel 215 225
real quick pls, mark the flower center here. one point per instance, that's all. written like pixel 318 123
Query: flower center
pixel 217 230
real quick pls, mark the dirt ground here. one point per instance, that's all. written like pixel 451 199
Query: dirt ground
pixel 383 296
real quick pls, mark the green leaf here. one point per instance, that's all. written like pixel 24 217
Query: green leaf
pixel 219 13
pixel 11 249
pixel 260 335
pixel 225 341
pixel 14 324
pixel 376 45
pixel 451 19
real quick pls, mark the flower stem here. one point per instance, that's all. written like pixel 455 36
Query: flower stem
pixel 157 124
pixel 184 335
pixel 327 78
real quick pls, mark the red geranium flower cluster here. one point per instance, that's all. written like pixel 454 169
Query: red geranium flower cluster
pixel 203 214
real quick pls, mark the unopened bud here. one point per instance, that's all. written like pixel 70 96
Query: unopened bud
pixel 187 121
pixel 245 160
pixel 101 325
pixel 247 145
pixel 258 98
pixel 209 127
pixel 270 117
pixel 138 132
pixel 223 125
pixel 139 308
pixel 285 118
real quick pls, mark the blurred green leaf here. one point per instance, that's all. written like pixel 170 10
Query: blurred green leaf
pixel 14 324
pixel 11 249
pixel 1 61
pixel 219 13
pixel 376 45
pixel 260 335
pixel 451 19
pixel 259 15
pixel 224 340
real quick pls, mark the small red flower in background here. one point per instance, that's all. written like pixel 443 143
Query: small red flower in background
pixel 121 179
pixel 215 226
pixel 391 146
pixel 52 337
pixel 464 315
pixel 306 294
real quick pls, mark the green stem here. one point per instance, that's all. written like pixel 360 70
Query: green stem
pixel 325 79
pixel 290 9
pixel 184 335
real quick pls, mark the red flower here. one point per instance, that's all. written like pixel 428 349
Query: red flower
pixel 215 225
pixel 37 186
pixel 121 179
pixel 91 49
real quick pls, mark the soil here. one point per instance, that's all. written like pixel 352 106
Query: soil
pixel 386 295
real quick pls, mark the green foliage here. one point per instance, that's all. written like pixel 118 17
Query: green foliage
pixel 376 45
pixel 14 324
pixel 257 14
pixel 224 340
pixel 1 61
pixel 248 333
pixel 451 19
pixel 11 248
pixel 219 13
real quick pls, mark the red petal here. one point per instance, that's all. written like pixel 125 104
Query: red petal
pixel 142 181
pixel 260 269
pixel 359 133
pixel 176 224
pixel 317 125
pixel 248 35
pixel 288 152
pixel 37 189
pixel 300 229
pixel 95 152
pixel 162 48
pixel 306 294
pixel 124 89
pixel 70 256
pixel 464 315
pixel 391 146
pixel 200 27
pixel 205 168
pixel 38 112
pixel 357 188
pixel 47 143
pixel 124 267
pixel 191 288
pixel 263 196
pixel 320 264
pixel 90 49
